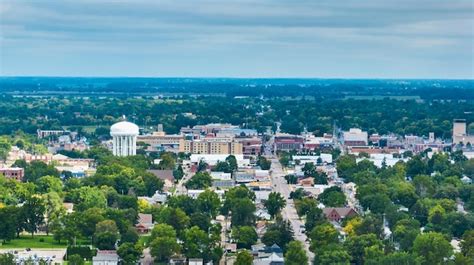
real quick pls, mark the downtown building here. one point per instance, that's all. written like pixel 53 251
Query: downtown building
pixel 211 145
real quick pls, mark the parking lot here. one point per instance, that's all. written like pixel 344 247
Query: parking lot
pixel 54 256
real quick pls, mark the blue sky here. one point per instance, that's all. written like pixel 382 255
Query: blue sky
pixel 227 38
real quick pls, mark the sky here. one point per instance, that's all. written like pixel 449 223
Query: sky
pixel 238 38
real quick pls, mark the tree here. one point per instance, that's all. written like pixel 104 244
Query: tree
pixel 332 254
pixel 309 170
pixel 130 253
pixel 9 224
pixel 295 254
pixel 279 233
pixel 88 197
pixel 467 244
pixel 285 159
pixel 37 169
pixel 298 194
pixel 152 184
pixel 416 166
pixel 291 179
pixel 424 185
pixel 323 235
pixel 357 245
pixel 304 205
pixel 222 166
pixel 274 204
pixel 233 195
pixel 245 236
pixel 175 217
pixel 209 202
pixel 395 258
pixel 7 259
pixel 184 202
pixel 33 213
pixel 75 259
pixel 370 224
pixel 47 184
pixel 106 234
pixel 433 247
pixel 5 148
pixel 232 161
pixel 196 243
pixel 163 242
pixel 405 232
pixel 202 166
pixel 314 216
pixel 243 212
pixel 201 220
pixel 332 197
pixel 130 236
pixel 200 180
pixel 263 163
pixel 178 173
pixel 346 166
pixel 244 257
pixel 167 161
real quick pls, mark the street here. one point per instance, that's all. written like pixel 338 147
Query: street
pixel 289 212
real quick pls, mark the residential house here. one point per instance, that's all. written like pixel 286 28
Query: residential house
pixel 338 213
pixel 105 257
pixel 145 223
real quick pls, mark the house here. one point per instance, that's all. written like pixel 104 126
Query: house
pixel 105 257
pixel 177 261
pixel 273 259
pixel 223 184
pixel 13 173
pixel 69 207
pixel 165 174
pixel 195 262
pixel 145 223
pixel 306 182
pixel 221 175
pixel 244 177
pixel 339 213
pixel 272 255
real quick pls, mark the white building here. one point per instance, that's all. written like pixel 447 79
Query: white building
pixel 355 137
pixel 124 138
pixel 105 257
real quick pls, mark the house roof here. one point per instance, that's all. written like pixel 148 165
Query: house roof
pixel 144 218
pixel 342 211
pixel 166 174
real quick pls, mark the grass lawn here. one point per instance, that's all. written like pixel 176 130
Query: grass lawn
pixel 143 239
pixel 26 241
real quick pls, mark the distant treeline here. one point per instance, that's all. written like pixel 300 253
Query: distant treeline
pixel 269 88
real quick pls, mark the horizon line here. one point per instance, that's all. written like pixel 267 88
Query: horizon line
pixel 237 78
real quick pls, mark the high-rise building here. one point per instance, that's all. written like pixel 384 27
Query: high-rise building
pixel 211 145
pixel 124 136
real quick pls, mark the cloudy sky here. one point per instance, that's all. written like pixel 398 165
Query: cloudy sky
pixel 242 38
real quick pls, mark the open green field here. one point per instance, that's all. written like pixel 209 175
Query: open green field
pixel 87 129
pixel 40 241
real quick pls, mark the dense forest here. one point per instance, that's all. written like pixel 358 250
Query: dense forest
pixel 382 116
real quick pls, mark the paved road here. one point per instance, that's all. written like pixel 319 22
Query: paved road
pixel 58 254
pixel 147 258
pixel 289 212
pixel 180 188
